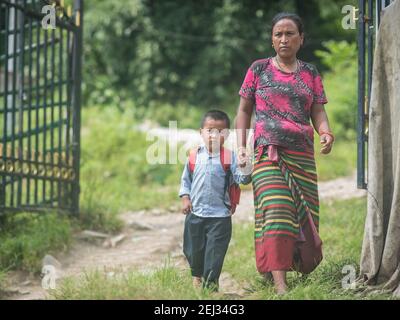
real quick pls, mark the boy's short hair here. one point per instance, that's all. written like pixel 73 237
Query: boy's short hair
pixel 216 115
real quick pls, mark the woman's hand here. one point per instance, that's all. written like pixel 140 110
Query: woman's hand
pixel 242 157
pixel 321 125
pixel 326 140
pixel 186 205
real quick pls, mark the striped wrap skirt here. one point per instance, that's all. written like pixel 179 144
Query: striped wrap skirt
pixel 285 189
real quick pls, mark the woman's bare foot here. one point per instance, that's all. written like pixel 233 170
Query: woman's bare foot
pixel 280 289
pixel 196 282
pixel 280 282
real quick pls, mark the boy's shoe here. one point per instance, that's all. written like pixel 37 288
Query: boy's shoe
pixel 197 283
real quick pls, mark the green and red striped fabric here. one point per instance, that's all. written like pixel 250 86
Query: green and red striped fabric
pixel 283 191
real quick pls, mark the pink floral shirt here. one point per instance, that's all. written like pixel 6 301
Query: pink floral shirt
pixel 283 103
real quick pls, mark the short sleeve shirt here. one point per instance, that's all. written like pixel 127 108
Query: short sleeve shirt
pixel 283 103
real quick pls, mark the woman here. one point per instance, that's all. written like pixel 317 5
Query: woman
pixel 287 92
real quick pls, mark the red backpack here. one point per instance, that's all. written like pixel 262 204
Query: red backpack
pixel 226 160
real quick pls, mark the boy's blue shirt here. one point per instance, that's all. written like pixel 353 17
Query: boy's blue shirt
pixel 207 185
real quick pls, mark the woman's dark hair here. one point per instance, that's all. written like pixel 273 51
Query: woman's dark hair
pixel 291 16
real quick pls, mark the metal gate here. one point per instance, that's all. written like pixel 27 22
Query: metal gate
pixel 40 101
pixel 368 24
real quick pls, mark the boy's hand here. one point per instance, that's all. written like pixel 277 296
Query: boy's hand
pixel 186 205
pixel 242 157
pixel 245 164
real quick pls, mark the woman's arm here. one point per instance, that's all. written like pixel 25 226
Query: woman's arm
pixel 321 124
pixel 243 118
pixel 242 124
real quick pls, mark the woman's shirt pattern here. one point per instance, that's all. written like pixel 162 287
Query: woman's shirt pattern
pixel 283 103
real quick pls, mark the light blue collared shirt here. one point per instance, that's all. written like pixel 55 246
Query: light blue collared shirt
pixel 206 185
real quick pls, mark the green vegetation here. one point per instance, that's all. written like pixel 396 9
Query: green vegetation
pixel 341 87
pixel 189 52
pixel 341 230
pixel 115 173
pixel 164 283
pixel 339 163
pixel 25 238
pixel 175 60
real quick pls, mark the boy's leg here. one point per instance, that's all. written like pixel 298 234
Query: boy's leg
pixel 218 233
pixel 194 243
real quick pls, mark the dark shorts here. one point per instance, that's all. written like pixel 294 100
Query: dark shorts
pixel 205 243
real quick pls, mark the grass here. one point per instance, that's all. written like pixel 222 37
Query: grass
pixel 115 174
pixel 27 237
pixel 116 177
pixel 162 284
pixel 342 225
pixel 340 162
pixel 3 276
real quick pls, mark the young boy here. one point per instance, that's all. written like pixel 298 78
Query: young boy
pixel 206 202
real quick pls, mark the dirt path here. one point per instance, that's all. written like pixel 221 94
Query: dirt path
pixel 141 249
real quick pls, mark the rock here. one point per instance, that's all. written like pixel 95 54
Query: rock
pixel 137 239
pixel 24 292
pixel 156 212
pixel 89 234
pixel 11 291
pixel 140 226
pixel 114 241
pixel 177 254
pixel 174 209
pixel 50 260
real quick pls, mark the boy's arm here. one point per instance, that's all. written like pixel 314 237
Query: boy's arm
pixel 184 192
pixel 240 175
pixel 186 182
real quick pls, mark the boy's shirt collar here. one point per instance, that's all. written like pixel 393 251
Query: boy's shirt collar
pixel 212 154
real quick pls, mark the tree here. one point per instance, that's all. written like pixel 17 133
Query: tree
pixel 193 52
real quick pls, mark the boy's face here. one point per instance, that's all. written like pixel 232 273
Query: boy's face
pixel 214 133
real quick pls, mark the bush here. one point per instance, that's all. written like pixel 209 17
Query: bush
pixel 115 174
pixel 341 86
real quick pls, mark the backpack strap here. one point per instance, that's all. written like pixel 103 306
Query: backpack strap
pixel 226 159
pixel 192 159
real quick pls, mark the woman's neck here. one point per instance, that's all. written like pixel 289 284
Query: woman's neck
pixel 289 61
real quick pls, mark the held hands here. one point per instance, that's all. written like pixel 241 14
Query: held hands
pixel 326 139
pixel 186 205
pixel 244 162
pixel 242 157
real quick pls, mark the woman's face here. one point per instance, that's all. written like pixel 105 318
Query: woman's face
pixel 286 38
